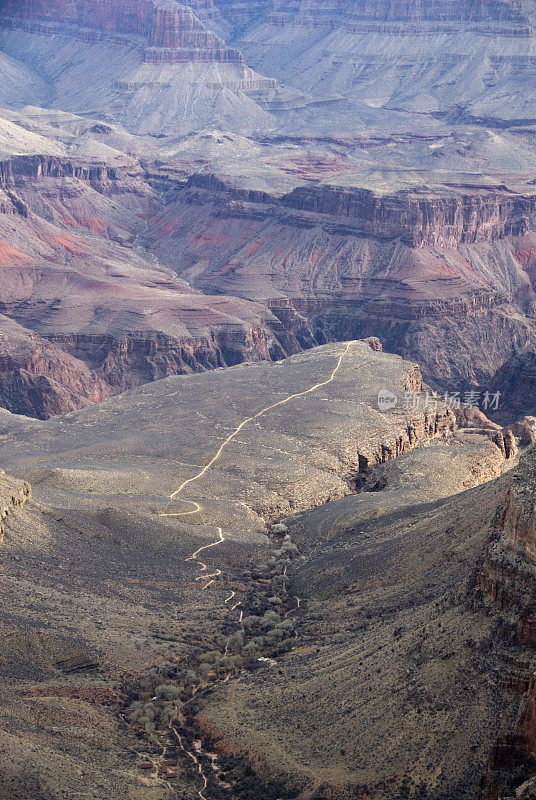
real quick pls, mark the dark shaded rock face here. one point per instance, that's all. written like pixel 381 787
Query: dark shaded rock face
pixel 516 380
pixel 507 583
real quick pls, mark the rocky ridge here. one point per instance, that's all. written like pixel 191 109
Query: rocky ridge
pixel 177 77
pixel 75 220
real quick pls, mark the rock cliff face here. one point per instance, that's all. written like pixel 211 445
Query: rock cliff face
pixel 402 10
pixel 336 262
pixel 166 72
pixel 477 216
pixel 131 16
pixel 507 583
pixel 86 316
pixel 447 217
pixel 508 578
pixel 178 36
pixel 515 380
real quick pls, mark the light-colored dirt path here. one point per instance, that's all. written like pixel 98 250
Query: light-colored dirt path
pixel 197 508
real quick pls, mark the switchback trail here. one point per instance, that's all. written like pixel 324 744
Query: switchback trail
pixel 198 508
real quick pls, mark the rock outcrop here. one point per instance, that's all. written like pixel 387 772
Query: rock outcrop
pixel 524 431
pixel 86 317
pixel 14 494
pixel 507 583
pixel 178 36
pixel 515 380
pixel 168 74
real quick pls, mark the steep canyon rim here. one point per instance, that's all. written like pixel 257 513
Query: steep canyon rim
pixel 321 215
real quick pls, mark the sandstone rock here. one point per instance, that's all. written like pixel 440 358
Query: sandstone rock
pixel 505 441
pixel 166 72
pixel 471 417
pixel 374 344
pixel 524 430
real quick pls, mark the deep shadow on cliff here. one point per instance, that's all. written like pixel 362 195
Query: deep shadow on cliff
pixel 414 675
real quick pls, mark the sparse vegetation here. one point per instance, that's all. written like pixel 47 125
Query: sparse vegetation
pixel 167 692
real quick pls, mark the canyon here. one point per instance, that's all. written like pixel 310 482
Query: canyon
pixel 105 476
pixel 263 268
pixel 253 232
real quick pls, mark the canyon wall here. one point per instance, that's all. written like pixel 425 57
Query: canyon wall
pixel 506 582
pixel 178 36
pixel 85 316
pixel 404 10
pixel 449 216
pixel 168 26
pixel 419 269
pixel 129 16
pixel 150 64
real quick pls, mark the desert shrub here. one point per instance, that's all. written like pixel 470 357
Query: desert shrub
pixel 143 714
pixel 211 657
pixel 190 677
pixel 168 691
pixel 251 622
pixel 290 548
pixel 284 646
pixel 286 625
pixel 237 640
pixel 231 663
pixel 279 529
pixel 269 620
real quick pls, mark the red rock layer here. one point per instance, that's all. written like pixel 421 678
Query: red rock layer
pixel 467 215
pixel 109 342
pixel 470 216
pixel 178 36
